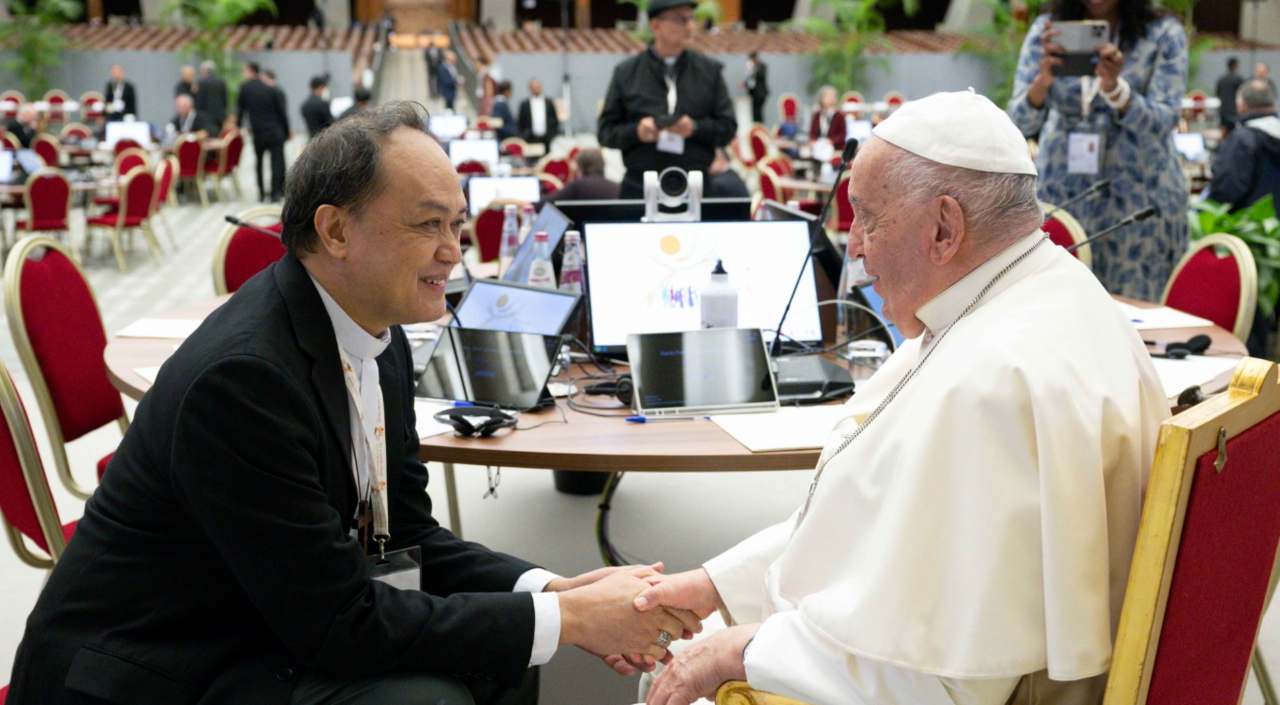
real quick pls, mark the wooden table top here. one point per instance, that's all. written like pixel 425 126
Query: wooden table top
pixel 95 185
pixel 586 442
pixel 789 183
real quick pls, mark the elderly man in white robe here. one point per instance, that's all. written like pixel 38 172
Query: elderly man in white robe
pixel 968 532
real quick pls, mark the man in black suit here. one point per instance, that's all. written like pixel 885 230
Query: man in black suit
pixel 757 85
pixel 211 94
pixel 268 122
pixel 121 98
pixel 188 120
pixel 538 119
pixel 316 111
pixel 502 110
pixel 186 82
pixel 229 554
pixel 25 125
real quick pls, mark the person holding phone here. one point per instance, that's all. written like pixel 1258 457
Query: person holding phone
pixel 1116 122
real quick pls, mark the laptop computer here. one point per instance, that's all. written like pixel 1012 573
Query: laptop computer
pixel 489 368
pixel 699 372
pixel 515 308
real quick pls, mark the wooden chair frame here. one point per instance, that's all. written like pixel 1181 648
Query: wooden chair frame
pixel 1248 277
pixel 118 230
pixel 68 127
pixel 37 483
pixel 18 328
pixel 518 141
pixel 51 139
pixel 10 139
pixel 1078 235
pixel 224 243
pixel 87 110
pixel 159 199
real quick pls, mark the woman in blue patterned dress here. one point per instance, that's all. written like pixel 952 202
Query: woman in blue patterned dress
pixel 1135 99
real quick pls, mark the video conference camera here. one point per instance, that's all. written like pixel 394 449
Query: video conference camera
pixel 673 188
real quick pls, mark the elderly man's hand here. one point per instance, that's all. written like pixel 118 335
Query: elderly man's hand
pixel 691 590
pixel 700 669
pixel 601 619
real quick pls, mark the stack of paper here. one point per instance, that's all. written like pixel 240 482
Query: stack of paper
pixel 171 328
pixel 1194 371
pixel 789 428
pixel 427 425
pixel 1161 317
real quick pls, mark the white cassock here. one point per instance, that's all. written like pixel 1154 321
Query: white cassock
pixel 975 542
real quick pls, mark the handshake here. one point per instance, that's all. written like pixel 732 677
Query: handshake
pixel 628 616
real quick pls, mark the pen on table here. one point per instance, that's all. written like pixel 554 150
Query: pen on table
pixel 462 403
pixel 645 419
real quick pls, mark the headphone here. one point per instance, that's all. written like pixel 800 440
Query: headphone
pixel 623 388
pixel 1178 351
pixel 459 418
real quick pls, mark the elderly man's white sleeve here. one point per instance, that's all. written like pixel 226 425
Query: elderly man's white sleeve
pixel 789 658
pixel 738 573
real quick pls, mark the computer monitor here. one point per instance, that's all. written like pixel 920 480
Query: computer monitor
pixel 137 131
pixel 515 308
pixel 713 210
pixel 484 151
pixel 551 221
pixel 490 368
pixel 830 259
pixel 6 167
pixel 482 190
pixel 447 127
pixel 648 277
pixel 1189 144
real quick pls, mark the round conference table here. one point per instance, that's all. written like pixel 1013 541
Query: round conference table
pixel 586 442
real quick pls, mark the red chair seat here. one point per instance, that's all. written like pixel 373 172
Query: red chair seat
pixel 52 224
pixel 102 464
pixel 4 692
pixel 67 531
pixel 1208 286
pixel 113 201
pixel 112 220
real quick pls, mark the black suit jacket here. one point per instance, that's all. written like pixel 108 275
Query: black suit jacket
pixel 265 108
pixel 502 109
pixel 317 113
pixel 199 122
pixel 211 98
pixel 760 89
pixel 24 134
pixel 214 564
pixel 128 95
pixel 526 121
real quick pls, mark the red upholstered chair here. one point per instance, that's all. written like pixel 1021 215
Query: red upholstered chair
pixel 741 151
pixel 844 209
pixel 9 141
pixel 858 102
pixel 56 327
pixel 191 160
pixel 485 124
pixel 125 162
pixel 549 184
pixel 47 197
pixel 74 131
pixel 1217 279
pixel 758 141
pixel 243 252
pixel 789 107
pixel 558 167
pixel 473 167
pixel 769 187
pixel 224 167
pixel 47 148
pixel 92 106
pixel 166 174
pixel 1064 231
pixel 125 143
pixel 1204 564
pixel 514 147
pixel 11 111
pixel 1199 100
pixel 572 156
pixel 56 98
pixel 27 510
pixel 134 213
pixel 488 233
pixel 4 693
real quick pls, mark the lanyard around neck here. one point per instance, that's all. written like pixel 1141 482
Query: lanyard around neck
pixel 375 452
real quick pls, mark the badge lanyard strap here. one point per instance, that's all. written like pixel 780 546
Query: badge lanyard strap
pixel 375 453
pixel 822 464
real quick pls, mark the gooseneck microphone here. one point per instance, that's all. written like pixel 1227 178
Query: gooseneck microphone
pixel 1090 192
pixel 246 224
pixel 846 158
pixel 1129 220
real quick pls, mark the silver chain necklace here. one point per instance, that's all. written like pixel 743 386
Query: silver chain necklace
pixel 822 465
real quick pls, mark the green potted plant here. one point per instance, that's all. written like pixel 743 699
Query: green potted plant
pixel 213 21
pixel 857 31
pixel 1258 226
pixel 34 35
pixel 999 41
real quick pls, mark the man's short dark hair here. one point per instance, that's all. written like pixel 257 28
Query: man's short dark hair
pixel 1233 63
pixel 590 161
pixel 253 66
pixel 504 87
pixel 362 95
pixel 341 166
pixel 318 82
pixel 269 74
pixel 754 55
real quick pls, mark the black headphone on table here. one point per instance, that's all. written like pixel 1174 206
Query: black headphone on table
pixel 460 419
pixel 1197 345
pixel 623 388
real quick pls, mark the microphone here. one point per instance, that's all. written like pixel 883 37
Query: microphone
pixel 1087 193
pixel 246 224
pixel 1129 220
pixel 846 158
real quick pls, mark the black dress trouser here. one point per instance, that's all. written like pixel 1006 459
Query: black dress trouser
pixel 276 147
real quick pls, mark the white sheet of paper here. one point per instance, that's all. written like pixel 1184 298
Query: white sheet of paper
pixel 1161 317
pixel 1084 153
pixel 670 142
pixel 147 373
pixel 427 426
pixel 789 428
pixel 172 328
pixel 1196 370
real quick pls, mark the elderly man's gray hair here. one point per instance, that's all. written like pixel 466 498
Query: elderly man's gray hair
pixel 1256 94
pixel 992 203
pixel 207 67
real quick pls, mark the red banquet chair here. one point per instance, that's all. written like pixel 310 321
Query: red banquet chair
pixel 134 213
pixel 123 144
pixel 27 510
pixel 57 329
pixel 243 252
pixel 75 131
pixel 4 693
pixel 47 198
pixel 92 106
pixel 758 142
pixel 559 167
pixel 191 161
pixel 14 97
pixel 1222 288
pixel 125 162
pixel 166 175
pixel 472 166
pixel 1199 104
pixel 488 233
pixel 844 209
pixel 56 98
pixel 1065 231
pixel 9 141
pixel 769 187
pixel 789 107
pixel 224 167
pixel 47 148
pixel 549 184
pixel 514 147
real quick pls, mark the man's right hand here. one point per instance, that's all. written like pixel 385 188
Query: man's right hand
pixel 601 618
pixel 647 130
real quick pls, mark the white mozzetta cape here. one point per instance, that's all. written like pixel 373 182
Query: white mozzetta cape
pixel 982 526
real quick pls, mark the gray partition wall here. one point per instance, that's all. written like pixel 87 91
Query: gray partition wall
pixel 155 74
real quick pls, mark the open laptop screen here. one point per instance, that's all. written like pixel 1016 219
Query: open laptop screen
pixel 489 368
pixel 701 371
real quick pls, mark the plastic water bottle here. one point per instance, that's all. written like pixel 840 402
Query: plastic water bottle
pixel 527 216
pixel 719 300
pixel 510 234
pixel 571 265
pixel 541 273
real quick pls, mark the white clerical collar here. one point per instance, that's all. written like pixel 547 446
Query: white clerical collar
pixel 355 340
pixel 945 308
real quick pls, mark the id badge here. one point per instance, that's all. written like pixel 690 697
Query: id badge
pixel 670 142
pixel 1084 153
pixel 400 569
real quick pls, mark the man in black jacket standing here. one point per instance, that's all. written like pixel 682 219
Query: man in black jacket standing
pixel 757 85
pixel 538 119
pixel 232 553
pixel 316 111
pixel 211 94
pixel 120 95
pixel 268 121
pixel 668 105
